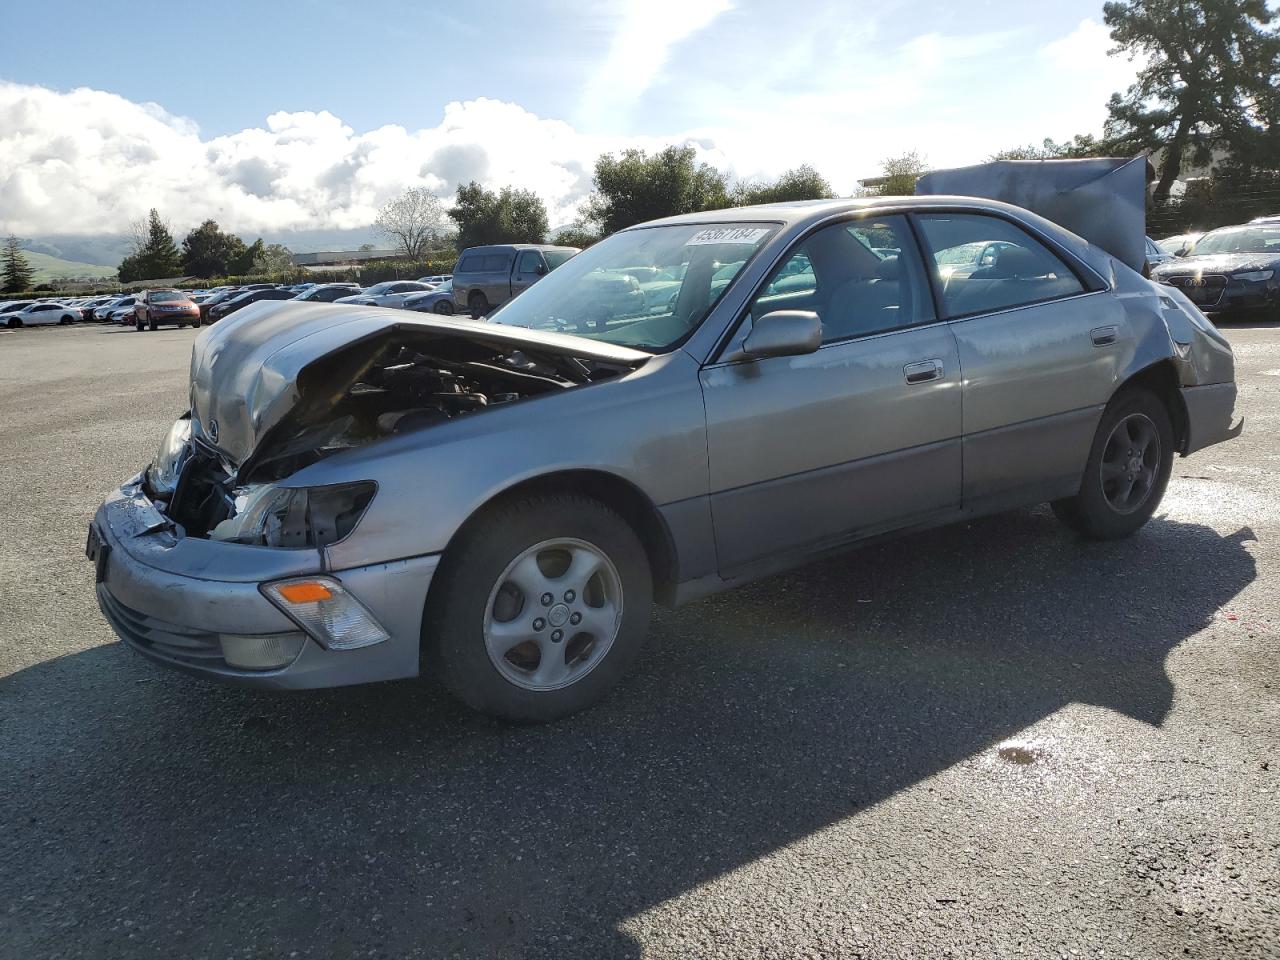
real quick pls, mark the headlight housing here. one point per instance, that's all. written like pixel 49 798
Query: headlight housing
pixel 162 475
pixel 1254 276
pixel 295 517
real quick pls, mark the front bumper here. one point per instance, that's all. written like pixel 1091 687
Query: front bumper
pixel 1219 295
pixel 170 598
pixel 1210 409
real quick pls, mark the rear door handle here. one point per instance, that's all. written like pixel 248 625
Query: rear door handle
pixel 1104 336
pixel 923 371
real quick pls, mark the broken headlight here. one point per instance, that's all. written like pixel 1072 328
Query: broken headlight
pixel 162 475
pixel 295 517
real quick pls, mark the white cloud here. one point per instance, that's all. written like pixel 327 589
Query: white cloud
pixel 643 39
pixel 838 97
pixel 87 161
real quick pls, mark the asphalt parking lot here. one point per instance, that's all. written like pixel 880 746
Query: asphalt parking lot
pixel 993 740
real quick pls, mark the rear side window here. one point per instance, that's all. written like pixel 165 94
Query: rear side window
pixel 496 263
pixel 982 264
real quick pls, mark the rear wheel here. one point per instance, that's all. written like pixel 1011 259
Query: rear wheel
pixel 1127 472
pixel 152 325
pixel 541 607
pixel 444 307
pixel 137 324
pixel 478 304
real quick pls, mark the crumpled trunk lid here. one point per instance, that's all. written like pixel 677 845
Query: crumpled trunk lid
pixel 249 371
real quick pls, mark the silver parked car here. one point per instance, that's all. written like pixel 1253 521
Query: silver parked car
pixel 356 492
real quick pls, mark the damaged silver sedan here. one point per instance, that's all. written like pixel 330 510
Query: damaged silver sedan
pixel 363 494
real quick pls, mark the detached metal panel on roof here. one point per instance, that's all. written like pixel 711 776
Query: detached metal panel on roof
pixel 1102 200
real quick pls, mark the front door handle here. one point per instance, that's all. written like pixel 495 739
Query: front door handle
pixel 923 371
pixel 1104 336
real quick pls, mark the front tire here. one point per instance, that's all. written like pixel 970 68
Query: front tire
pixel 138 325
pixel 1127 471
pixel 539 609
pixel 443 307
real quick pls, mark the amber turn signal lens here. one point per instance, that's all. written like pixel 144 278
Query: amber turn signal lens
pixel 307 591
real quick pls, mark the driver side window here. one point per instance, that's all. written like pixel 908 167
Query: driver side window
pixel 861 277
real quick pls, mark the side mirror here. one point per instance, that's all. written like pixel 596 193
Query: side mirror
pixel 541 269
pixel 782 333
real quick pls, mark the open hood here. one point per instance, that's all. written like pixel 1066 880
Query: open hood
pixel 1102 200
pixel 277 360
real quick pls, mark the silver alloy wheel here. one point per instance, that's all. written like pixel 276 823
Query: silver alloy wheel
pixel 553 614
pixel 1130 463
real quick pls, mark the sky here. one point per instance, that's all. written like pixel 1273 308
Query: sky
pixel 272 116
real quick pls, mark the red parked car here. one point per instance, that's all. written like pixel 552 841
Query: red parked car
pixel 155 307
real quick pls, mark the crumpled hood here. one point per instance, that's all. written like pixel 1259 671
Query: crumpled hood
pixel 1215 263
pixel 245 369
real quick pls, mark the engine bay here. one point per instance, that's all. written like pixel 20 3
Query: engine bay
pixel 371 391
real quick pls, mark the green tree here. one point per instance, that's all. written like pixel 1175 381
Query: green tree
pixel 576 236
pixel 155 255
pixel 242 263
pixel 506 216
pixel 1210 81
pixel 274 259
pixel 634 187
pixel 414 220
pixel 208 252
pixel 1081 145
pixel 802 183
pixel 899 175
pixel 17 274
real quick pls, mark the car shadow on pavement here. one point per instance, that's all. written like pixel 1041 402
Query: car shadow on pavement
pixel 149 813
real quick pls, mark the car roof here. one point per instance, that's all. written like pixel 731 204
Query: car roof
pixel 802 212
pixel 493 247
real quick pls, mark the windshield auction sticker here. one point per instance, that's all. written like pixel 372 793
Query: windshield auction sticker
pixel 751 235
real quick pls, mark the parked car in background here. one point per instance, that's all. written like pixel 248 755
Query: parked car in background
pixel 487 277
pixel 13 307
pixel 389 293
pixel 38 313
pixel 327 292
pixel 576 470
pixel 1155 256
pixel 229 306
pixel 158 307
pixel 1268 219
pixel 439 300
pixel 1180 244
pixel 88 306
pixel 213 299
pixel 104 312
pixel 436 280
pixel 1231 270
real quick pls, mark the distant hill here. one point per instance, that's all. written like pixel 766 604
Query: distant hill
pixel 54 268
pixel 113 247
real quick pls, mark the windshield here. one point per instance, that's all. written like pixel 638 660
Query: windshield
pixel 1240 240
pixel 378 288
pixel 647 288
pixel 167 296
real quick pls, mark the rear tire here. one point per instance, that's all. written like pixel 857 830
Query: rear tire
pixel 1127 471
pixel 478 304
pixel 137 324
pixel 539 609
pixel 152 325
